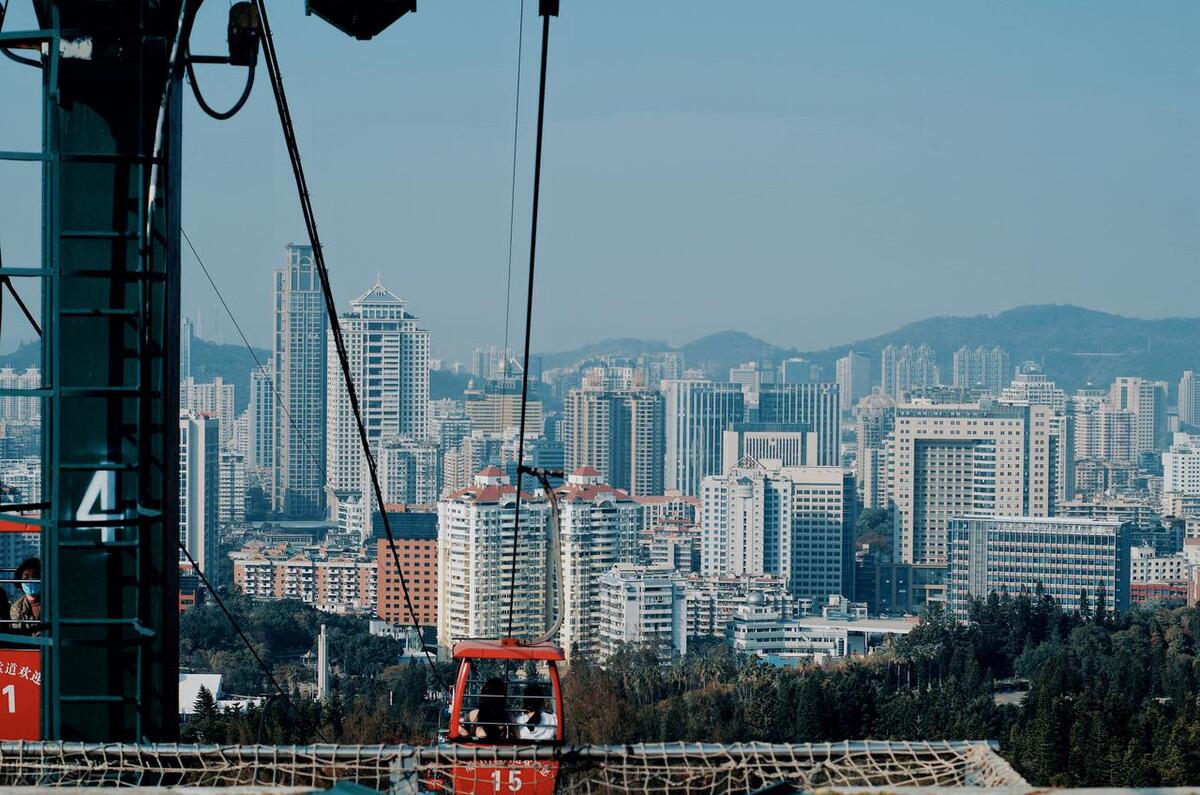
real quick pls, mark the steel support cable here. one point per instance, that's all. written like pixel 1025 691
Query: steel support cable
pixel 289 134
pixel 237 628
pixel 512 191
pixel 537 182
pixel 261 369
pixel 6 282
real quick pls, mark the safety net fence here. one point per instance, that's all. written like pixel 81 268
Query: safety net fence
pixel 408 770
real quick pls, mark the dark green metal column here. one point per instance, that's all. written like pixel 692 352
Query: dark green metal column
pixel 111 308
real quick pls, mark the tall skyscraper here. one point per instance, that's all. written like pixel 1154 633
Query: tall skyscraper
pixel 619 432
pixel 949 460
pixel 495 406
pixel 816 405
pixel 215 398
pixel 199 488
pixel 905 367
pixel 299 365
pixel 1148 402
pixel 187 332
pixel 697 415
pixel 1189 399
pixel 790 522
pixel 389 362
pixel 263 405
pixel 874 420
pixel 853 379
pixel 982 368
pixel 1102 432
pixel 408 473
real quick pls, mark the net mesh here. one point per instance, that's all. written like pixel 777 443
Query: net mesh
pixel 406 770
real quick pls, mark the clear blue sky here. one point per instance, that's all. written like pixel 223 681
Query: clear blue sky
pixel 808 172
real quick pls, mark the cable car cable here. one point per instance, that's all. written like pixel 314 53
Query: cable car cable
pixel 261 369
pixel 547 9
pixel 289 134
pixel 512 192
pixel 237 628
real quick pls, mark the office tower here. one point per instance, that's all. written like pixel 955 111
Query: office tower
pixel 261 426
pixel 214 398
pixel 231 502
pixel 853 378
pixel 599 528
pixel 408 473
pixel 791 445
pixel 905 367
pixel 187 332
pixel 697 415
pixel 752 376
pixel 417 549
pixel 475 541
pixel 1011 554
pixel 299 367
pixel 1148 402
pixel 492 362
pixel 618 432
pixel 643 606
pixel 816 405
pixel 794 523
pixel 874 419
pixel 389 361
pixel 495 406
pixel 1189 399
pixel 672 366
pixel 448 423
pixel 799 371
pixel 199 488
pixel 16 408
pixel 948 461
pixel 986 369
pixel 1031 387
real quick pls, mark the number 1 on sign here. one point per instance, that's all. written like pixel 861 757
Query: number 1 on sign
pixel 10 693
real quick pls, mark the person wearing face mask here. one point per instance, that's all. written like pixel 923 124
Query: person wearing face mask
pixel 26 612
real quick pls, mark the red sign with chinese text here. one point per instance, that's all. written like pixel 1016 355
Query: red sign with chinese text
pixel 20 694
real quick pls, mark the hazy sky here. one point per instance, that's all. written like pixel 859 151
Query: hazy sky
pixel 808 172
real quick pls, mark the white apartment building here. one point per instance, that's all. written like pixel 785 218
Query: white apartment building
pixel 1189 399
pixel 16 408
pixel 1181 469
pixel 986 369
pixel 1031 387
pixel 231 502
pixel 389 361
pixel 199 488
pixel 790 522
pixel 643 606
pixel 951 460
pixel 213 398
pixel 475 537
pixel 853 375
pixel 1146 566
pixel 598 529
pixel 874 420
pixel 1148 402
pixel 903 368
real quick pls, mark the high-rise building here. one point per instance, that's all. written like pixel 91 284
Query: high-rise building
pixel 799 371
pixel 417 550
pixel 904 368
pixel 853 378
pixel 874 420
pixel 1189 399
pixel 1102 432
pixel 697 415
pixel 1068 558
pixel 817 406
pixel 794 523
pixel 672 366
pixel 214 398
pixel 261 427
pixel 751 376
pixel 618 432
pixel 299 371
pixel 408 473
pixel 389 362
pixel 599 528
pixel 986 369
pixel 199 488
pixel 17 408
pixel 1148 402
pixel 475 541
pixel 643 606
pixel 231 502
pixel 1181 467
pixel 791 445
pixel 948 460
pixel 1031 387
pixel 187 332
pixel 495 406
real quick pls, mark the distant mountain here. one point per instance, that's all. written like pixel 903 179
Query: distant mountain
pixel 1075 345
pixel 232 363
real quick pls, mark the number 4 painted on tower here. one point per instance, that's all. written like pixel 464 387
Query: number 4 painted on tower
pixel 99 503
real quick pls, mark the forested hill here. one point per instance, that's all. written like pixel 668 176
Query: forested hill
pixel 1075 345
